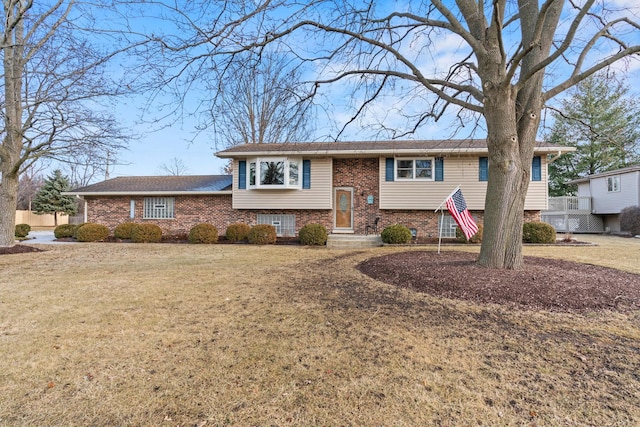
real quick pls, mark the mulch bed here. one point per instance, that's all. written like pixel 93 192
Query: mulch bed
pixel 17 249
pixel 543 284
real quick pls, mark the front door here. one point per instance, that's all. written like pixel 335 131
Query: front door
pixel 343 208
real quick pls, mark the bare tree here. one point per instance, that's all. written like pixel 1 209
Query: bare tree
pixel 259 100
pixel 30 182
pixel 509 59
pixel 53 84
pixel 175 167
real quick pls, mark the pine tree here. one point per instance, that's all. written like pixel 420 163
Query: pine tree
pixel 50 200
pixel 604 126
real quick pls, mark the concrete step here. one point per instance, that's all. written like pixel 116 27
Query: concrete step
pixel 353 241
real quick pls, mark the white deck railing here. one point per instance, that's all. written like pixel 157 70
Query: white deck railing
pixel 569 203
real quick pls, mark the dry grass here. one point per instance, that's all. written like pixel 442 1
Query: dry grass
pixel 167 335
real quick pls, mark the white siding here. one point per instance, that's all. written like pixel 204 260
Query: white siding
pixel 605 202
pixel 463 171
pixel 319 196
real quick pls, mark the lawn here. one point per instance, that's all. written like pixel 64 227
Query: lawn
pixel 215 335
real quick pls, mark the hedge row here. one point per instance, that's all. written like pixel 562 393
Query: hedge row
pixel 261 234
pixel 532 232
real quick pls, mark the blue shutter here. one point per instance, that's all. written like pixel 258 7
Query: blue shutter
pixel 439 169
pixel 536 169
pixel 484 169
pixel 389 169
pixel 242 174
pixel 306 174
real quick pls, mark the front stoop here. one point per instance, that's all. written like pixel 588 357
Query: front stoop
pixel 353 241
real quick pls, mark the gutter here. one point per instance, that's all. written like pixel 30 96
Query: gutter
pixel 376 153
pixel 146 193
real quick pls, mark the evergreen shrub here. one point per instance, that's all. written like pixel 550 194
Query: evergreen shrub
pixel 538 232
pixel 146 233
pixel 124 230
pixel 313 234
pixel 476 238
pixel 396 234
pixel 75 230
pixel 64 231
pixel 22 230
pixel 91 232
pixel 262 234
pixel 203 233
pixel 630 220
pixel 237 232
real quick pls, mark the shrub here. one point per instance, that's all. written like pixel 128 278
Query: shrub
pixel 538 232
pixel 630 220
pixel 396 234
pixel 22 230
pixel 77 227
pixel 90 232
pixel 262 234
pixel 65 230
pixel 124 230
pixel 238 232
pixel 313 234
pixel 203 233
pixel 476 238
pixel 146 233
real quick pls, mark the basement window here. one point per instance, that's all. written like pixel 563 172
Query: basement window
pixel 159 207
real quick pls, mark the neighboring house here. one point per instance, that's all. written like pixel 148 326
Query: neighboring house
pixel 600 199
pixel 343 185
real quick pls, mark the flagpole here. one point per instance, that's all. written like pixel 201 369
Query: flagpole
pixel 440 232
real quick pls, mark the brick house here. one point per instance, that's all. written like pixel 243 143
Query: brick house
pixel 345 186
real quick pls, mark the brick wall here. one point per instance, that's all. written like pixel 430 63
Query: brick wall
pixel 359 174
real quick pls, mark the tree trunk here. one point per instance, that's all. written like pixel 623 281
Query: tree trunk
pixel 11 149
pixel 507 185
pixel 8 203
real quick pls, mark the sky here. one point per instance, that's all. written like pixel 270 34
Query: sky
pixel 175 140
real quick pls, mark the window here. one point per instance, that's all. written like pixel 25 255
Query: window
pixel 158 207
pixel 613 184
pixel 252 173
pixel 447 226
pixel 536 169
pixel 414 169
pixel 273 172
pixel 293 174
pixel 285 224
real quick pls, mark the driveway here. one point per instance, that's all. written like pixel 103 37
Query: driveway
pixel 44 237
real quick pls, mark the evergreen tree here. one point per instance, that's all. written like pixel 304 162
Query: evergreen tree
pixel 604 126
pixel 50 200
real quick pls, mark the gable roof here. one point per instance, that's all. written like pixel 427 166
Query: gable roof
pixel 158 185
pixel 375 148
pixel 628 169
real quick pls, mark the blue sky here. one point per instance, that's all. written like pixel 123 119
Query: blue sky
pixel 175 140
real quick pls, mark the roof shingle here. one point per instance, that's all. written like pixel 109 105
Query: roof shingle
pixel 157 184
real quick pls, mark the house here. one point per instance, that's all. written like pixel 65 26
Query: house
pixel 175 203
pixel 597 206
pixel 345 186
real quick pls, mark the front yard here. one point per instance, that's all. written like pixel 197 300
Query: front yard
pixel 161 334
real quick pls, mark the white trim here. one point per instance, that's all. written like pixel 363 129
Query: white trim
pixel 436 152
pixel 414 168
pixel 286 160
pixel 148 193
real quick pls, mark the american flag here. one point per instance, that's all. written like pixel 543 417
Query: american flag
pixel 458 209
